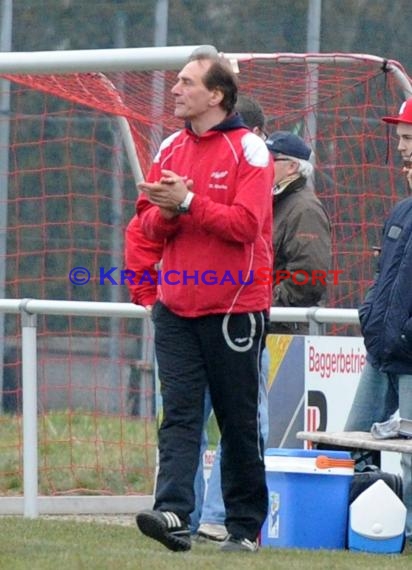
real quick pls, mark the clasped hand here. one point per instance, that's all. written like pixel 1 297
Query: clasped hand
pixel 167 193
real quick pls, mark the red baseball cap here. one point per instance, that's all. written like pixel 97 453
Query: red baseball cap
pixel 405 114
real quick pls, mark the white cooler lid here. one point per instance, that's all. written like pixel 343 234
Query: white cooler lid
pixel 377 512
pixel 319 465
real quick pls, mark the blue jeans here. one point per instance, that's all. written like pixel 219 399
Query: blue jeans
pixel 210 508
pixel 378 396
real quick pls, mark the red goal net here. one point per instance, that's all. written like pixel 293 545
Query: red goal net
pixel 69 188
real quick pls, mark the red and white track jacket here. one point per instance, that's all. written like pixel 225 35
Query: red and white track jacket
pixel 211 255
pixel 142 259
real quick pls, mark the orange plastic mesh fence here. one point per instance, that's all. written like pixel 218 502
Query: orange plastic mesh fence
pixel 70 193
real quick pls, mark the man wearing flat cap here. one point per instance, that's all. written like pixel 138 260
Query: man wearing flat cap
pixel 301 232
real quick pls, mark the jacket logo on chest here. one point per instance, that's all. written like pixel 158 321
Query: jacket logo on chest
pixel 216 176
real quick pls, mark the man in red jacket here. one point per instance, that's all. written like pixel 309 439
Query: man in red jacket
pixel 208 198
pixel 142 259
pixel 143 256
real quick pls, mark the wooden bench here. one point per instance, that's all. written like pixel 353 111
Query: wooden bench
pixel 356 441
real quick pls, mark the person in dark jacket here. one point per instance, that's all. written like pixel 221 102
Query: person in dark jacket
pixel 385 384
pixel 301 231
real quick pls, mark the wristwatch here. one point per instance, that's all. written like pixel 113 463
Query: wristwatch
pixel 184 206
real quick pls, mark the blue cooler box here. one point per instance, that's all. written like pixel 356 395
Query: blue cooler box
pixel 308 498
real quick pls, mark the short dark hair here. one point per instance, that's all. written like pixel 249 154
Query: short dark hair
pixel 251 112
pixel 221 76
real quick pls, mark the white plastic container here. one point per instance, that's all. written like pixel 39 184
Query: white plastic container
pixel 377 520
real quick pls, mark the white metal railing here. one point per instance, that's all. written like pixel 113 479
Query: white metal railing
pixel 317 315
pixel 30 308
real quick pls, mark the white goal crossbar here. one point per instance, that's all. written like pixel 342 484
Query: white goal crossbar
pixel 78 61
pixel 163 58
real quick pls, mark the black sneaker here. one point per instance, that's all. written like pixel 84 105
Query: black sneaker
pixel 165 527
pixel 233 544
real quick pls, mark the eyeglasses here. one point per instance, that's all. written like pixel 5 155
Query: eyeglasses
pixel 276 159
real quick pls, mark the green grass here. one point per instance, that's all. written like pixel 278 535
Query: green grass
pixel 47 544
pixel 87 452
pixel 84 453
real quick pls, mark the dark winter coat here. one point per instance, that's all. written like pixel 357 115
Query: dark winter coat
pixel 302 243
pixel 386 314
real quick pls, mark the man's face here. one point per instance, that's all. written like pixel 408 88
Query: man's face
pixel 404 132
pixel 192 98
pixel 284 167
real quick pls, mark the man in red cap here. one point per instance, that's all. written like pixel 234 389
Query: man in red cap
pixel 385 385
pixel 403 124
